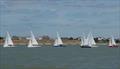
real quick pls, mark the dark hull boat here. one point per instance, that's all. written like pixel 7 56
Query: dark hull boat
pixel 114 46
pixel 60 46
pixel 85 46
pixel 88 42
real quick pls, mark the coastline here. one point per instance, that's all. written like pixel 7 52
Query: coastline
pixel 50 42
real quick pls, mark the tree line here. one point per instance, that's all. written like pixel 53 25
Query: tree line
pixel 97 39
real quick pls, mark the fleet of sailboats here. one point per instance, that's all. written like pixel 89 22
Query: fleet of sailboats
pixel 58 41
pixel 8 41
pixel 32 41
pixel 112 42
pixel 86 42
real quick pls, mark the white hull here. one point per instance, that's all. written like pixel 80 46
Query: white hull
pixel 8 46
pixel 33 46
pixel 94 46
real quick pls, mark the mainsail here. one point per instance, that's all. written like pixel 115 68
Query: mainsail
pixel 58 41
pixel 32 41
pixel 8 41
pixel 89 41
pixel 112 42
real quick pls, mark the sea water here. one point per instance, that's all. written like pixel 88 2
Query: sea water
pixel 70 57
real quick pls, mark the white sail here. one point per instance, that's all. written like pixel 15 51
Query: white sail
pixel 58 41
pixel 89 41
pixel 32 41
pixel 92 41
pixel 8 41
pixel 110 42
pixel 113 41
pixel 84 41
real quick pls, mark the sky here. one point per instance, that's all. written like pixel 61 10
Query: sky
pixel 70 18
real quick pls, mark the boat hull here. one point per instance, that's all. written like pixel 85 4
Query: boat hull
pixel 85 46
pixel 94 46
pixel 114 46
pixel 59 46
pixel 9 46
pixel 33 46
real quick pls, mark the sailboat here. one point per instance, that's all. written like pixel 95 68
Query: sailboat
pixel 58 42
pixel 91 40
pixel 88 42
pixel 32 41
pixel 8 41
pixel 112 42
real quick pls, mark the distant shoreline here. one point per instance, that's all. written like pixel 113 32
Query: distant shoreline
pixel 50 42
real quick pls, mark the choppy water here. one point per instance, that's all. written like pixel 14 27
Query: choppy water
pixel 71 57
